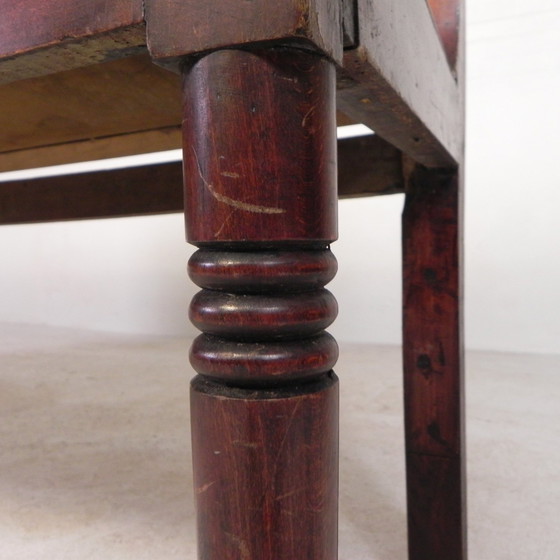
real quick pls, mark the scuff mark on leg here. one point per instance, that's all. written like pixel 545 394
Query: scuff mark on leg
pixel 304 120
pixel 250 444
pixel 225 222
pixel 241 545
pixel 205 487
pixel 288 494
pixel 237 204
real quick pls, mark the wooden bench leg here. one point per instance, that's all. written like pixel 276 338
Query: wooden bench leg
pixel 433 366
pixel 260 197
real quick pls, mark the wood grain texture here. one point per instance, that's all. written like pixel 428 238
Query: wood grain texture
pixel 433 365
pixel 436 515
pixel 433 353
pixel 367 166
pixel 103 100
pixel 254 364
pixel 260 185
pixel 263 316
pixel 265 271
pixel 215 24
pixel 123 107
pixel 154 189
pixel 265 471
pixel 280 183
pixel 431 310
pixel 399 82
pixel 157 140
pixel 370 174
pixel 38 38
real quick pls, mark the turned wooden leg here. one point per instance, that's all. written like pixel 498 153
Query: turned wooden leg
pixel 433 366
pixel 260 196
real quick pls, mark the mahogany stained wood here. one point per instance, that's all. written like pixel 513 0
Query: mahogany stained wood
pixel 39 38
pixel 268 317
pixel 366 166
pixel 292 271
pixel 265 471
pixel 280 184
pixel 393 80
pixel 216 24
pixel 433 345
pixel 436 518
pixel 433 366
pixel 253 364
pixel 154 189
pixel 260 190
pixel 256 331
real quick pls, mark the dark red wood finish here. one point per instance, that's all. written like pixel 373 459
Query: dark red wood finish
pixel 38 38
pixel 366 166
pixel 276 271
pixel 27 24
pixel 254 364
pixel 150 189
pixel 260 192
pixel 266 473
pixel 433 366
pixel 260 147
pixel 215 24
pixel 266 316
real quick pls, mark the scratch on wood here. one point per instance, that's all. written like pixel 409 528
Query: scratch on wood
pixel 205 487
pixel 231 174
pixel 288 494
pixel 217 234
pixel 241 545
pixel 286 433
pixel 238 204
pixel 286 78
pixel 255 208
pixel 304 120
pixel 250 444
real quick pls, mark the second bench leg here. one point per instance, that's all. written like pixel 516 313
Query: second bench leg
pixel 433 366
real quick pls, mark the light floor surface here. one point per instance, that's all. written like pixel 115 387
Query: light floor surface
pixel 95 460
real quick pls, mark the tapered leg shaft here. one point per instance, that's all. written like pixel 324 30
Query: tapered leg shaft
pixel 260 193
pixel 433 366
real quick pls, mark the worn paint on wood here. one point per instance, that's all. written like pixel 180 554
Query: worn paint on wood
pixel 38 38
pixel 215 24
pixel 399 82
pixel 98 101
